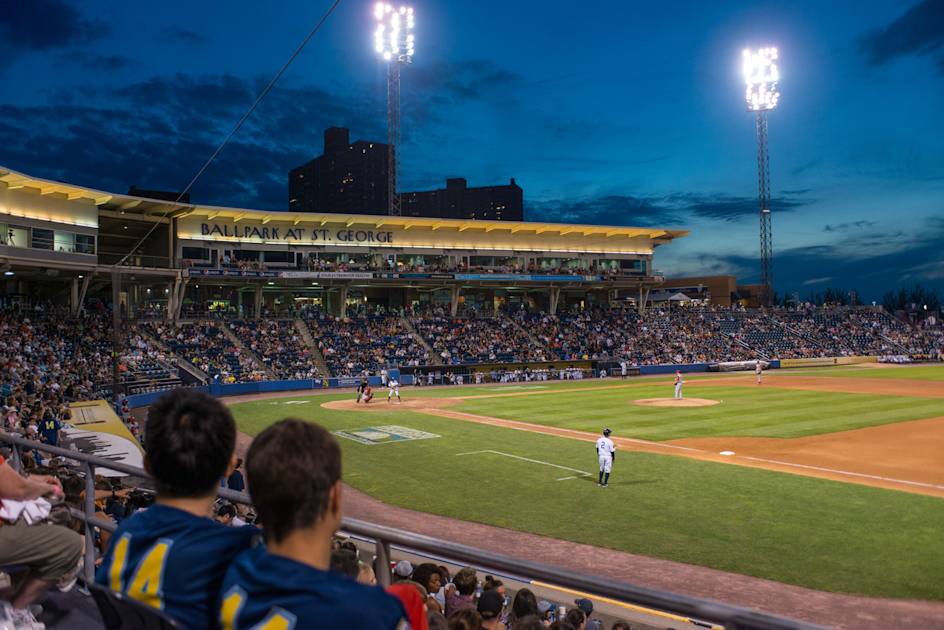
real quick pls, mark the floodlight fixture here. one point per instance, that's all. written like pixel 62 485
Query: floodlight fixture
pixel 761 75
pixel 393 38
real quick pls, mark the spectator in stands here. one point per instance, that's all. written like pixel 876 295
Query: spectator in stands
pixel 412 599
pixel 465 619
pixel 586 606
pixel 490 606
pixel 344 562
pixel 171 556
pixel 576 618
pixel 621 625
pixel 365 574
pixel 531 622
pixel 235 480
pixel 402 571
pixel 461 593
pixel 525 605
pixel 51 553
pixel 294 470
pixel 427 575
pixel 227 515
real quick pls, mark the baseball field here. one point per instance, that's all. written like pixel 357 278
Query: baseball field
pixel 831 479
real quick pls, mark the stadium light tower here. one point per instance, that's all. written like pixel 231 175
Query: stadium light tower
pixel 393 41
pixel 761 76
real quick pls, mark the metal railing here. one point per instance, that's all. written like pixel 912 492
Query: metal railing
pixel 383 537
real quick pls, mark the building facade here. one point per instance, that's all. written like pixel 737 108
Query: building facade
pixel 351 178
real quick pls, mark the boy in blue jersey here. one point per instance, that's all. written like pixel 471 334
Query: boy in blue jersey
pixel 172 556
pixel 294 471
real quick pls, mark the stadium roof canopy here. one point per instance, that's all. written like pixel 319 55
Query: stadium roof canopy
pixel 158 208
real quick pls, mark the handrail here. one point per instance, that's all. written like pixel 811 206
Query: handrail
pixel 731 617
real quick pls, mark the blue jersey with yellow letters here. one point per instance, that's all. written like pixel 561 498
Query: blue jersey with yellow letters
pixel 263 591
pixel 175 561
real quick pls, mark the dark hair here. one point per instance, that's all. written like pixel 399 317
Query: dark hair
pixel 491 583
pixel 227 509
pixel 344 561
pixel 575 617
pixel 465 581
pixel 424 572
pixel 189 439
pixel 561 624
pixel 530 622
pixel 465 619
pixel 621 625
pixel 525 605
pixel 292 466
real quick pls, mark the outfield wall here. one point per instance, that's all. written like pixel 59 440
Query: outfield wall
pixel 826 361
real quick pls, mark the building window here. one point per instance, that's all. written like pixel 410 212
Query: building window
pixel 14 236
pixel 196 253
pixel 64 241
pixel 42 239
pixel 84 244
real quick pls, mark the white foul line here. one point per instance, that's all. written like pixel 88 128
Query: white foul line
pixel 844 472
pixel 533 461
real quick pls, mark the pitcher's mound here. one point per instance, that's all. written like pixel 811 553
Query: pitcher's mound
pixel 381 404
pixel 676 402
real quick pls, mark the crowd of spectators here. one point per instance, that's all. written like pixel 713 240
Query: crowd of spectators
pixel 365 340
pixel 279 346
pixel 208 348
pixel 458 340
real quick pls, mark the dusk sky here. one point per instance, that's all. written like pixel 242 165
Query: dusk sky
pixel 604 112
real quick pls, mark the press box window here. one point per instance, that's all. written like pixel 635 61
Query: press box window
pixel 42 239
pixel 84 244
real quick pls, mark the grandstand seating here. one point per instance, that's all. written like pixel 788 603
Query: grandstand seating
pixel 365 341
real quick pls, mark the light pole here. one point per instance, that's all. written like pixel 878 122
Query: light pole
pixel 393 41
pixel 761 76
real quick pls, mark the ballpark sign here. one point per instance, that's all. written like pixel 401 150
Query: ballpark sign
pixel 295 234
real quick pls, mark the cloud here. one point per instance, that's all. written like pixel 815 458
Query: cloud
pixel 664 210
pixel 845 227
pixel 919 31
pixel 97 63
pixel 39 25
pixel 157 132
pixel 812 281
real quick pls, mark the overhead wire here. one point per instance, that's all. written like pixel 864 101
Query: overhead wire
pixel 235 128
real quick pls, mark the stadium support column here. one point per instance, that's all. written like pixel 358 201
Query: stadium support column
pixel 257 304
pixel 454 299
pixel 643 299
pixel 342 307
pixel 74 297
pixel 554 299
pixel 81 301
pixel 763 184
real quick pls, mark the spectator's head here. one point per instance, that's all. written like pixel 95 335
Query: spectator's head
pixel 490 605
pixel 465 619
pixel 403 570
pixel 225 513
pixel 189 441
pixel 585 605
pixel 294 470
pixel 561 624
pixel 465 581
pixel 427 574
pixel 531 622
pixel 577 618
pixel 493 584
pixel 525 604
pixel 621 625
pixel 344 562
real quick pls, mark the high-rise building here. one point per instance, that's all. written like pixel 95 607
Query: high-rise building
pixel 352 178
pixel 458 201
pixel 347 178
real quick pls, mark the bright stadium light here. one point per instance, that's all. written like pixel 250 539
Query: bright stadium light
pixel 761 76
pixel 394 43
pixel 393 37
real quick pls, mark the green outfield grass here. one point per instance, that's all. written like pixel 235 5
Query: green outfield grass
pixel 815 533
pixel 933 372
pixel 746 411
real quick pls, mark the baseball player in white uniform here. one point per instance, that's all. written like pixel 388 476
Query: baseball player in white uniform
pixel 758 371
pixel 393 387
pixel 678 384
pixel 606 453
pixel 384 376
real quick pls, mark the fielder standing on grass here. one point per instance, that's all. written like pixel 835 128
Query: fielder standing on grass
pixel 606 454
pixel 758 371
pixel 678 384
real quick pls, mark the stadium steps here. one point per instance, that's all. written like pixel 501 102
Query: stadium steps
pixel 182 363
pixel 745 345
pixel 309 341
pixel 524 332
pixel 243 350
pixel 434 357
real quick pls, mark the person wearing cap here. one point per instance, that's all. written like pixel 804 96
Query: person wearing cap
pixel 490 608
pixel 402 571
pixel 678 384
pixel 606 455
pixel 586 606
